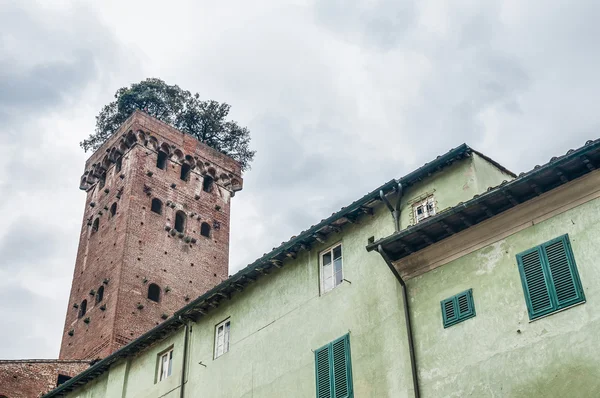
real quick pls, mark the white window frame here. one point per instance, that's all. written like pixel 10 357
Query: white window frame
pixel 164 367
pixel 428 206
pixel 222 337
pixel 325 286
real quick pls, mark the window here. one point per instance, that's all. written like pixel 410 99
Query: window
pixel 113 209
pixel 59 380
pixel 549 277
pixel 96 225
pixel 118 164
pixel 156 206
pixel 458 308
pixel 424 209
pixel 334 369
pixel 185 172
pixel 82 308
pixel 100 294
pixel 331 268
pixel 154 292
pixel 222 338
pixel 207 184
pixel 205 229
pixel 165 364
pixel 161 160
pixel 102 180
pixel 180 221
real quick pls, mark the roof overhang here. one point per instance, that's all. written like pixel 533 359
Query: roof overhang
pixel 557 172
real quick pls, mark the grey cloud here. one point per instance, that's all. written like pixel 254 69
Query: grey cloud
pixel 29 243
pixel 382 24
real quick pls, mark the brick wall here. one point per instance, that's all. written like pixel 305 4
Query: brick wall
pixel 137 247
pixel 33 378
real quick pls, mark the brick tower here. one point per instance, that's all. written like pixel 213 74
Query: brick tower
pixel 155 234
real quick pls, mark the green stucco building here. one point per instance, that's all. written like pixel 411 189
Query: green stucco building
pixel 459 279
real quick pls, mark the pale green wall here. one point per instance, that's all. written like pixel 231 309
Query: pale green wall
pixel 499 353
pixel 459 182
pixel 278 321
pixel 487 174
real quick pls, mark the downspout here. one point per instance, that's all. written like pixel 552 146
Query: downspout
pixel 411 345
pixel 395 210
pixel 185 353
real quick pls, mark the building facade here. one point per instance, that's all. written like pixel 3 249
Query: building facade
pixel 459 279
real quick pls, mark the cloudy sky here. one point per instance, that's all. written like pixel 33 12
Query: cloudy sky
pixel 340 96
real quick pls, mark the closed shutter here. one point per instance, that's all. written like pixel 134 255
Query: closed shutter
pixel 341 368
pixel 323 372
pixel 449 313
pixel 563 272
pixel 464 302
pixel 458 308
pixel 549 277
pixel 334 370
pixel 535 282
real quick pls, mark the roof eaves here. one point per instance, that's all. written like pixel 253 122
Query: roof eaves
pixel 505 186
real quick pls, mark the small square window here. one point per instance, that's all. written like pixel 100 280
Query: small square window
pixel 165 365
pixel 424 208
pixel 458 308
pixel 222 338
pixel 332 273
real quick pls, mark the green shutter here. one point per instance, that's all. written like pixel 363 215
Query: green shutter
pixel 563 272
pixel 323 372
pixel 458 308
pixel 334 370
pixel 535 282
pixel 549 277
pixel 342 385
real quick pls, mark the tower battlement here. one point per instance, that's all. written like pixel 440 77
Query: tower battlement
pixel 155 234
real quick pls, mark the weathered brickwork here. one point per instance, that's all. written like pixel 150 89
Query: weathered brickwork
pixel 33 377
pixel 126 252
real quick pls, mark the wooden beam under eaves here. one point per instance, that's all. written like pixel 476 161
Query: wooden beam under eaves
pixel 319 237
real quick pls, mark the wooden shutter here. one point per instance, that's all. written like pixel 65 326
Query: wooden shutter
pixel 549 277
pixel 334 370
pixel 449 312
pixel 535 282
pixel 323 371
pixel 464 304
pixel 563 272
pixel 458 308
pixel 342 385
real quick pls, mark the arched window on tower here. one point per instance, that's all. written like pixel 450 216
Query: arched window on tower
pixel 205 230
pixel 207 184
pixel 161 160
pixel 96 225
pixel 82 308
pixel 154 292
pixel 156 206
pixel 102 180
pixel 113 209
pixel 119 164
pixel 180 221
pixel 185 172
pixel 100 294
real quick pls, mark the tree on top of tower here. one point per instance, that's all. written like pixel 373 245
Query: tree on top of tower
pixel 204 120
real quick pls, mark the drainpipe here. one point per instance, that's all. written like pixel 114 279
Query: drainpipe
pixel 185 352
pixel 411 344
pixel 395 210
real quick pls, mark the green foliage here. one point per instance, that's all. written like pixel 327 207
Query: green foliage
pixel 204 120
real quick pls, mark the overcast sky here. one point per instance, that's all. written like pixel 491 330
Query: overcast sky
pixel 340 96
